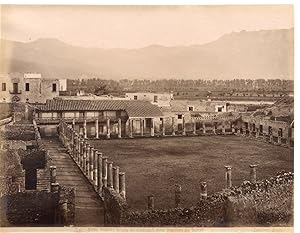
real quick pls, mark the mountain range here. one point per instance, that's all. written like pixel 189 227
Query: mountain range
pixel 245 54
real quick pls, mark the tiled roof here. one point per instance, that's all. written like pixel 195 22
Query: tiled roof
pixel 134 108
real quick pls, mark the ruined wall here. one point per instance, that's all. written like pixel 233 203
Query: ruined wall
pixel 269 202
pixel 263 203
pixel 66 205
pixel 206 214
pixel 36 208
pixel 115 207
pixel 31 207
pixel 276 125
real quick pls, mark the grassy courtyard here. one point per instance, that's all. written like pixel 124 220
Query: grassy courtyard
pixel 155 165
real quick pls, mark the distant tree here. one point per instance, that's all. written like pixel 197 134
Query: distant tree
pixel 101 90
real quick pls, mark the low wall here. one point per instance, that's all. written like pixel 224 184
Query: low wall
pixel 208 214
pixel 251 204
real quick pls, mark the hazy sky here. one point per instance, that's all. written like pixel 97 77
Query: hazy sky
pixel 138 26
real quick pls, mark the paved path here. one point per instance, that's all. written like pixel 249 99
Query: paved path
pixel 89 208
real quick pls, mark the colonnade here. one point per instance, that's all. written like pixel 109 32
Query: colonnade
pixel 97 168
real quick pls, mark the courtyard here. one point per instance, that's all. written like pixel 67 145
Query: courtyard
pixel 155 165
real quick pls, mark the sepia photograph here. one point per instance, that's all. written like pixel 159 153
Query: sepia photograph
pixel 160 116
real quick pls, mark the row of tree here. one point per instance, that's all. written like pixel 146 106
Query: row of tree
pixel 106 86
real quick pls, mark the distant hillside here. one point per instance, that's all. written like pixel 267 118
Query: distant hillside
pixel 256 54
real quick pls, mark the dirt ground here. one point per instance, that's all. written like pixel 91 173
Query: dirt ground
pixel 155 165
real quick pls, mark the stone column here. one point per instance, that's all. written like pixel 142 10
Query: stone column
pixel 92 158
pixel 264 137
pixel 150 202
pixel 104 171
pixel 203 191
pixel 253 173
pixel 130 128
pixel 78 149
pixel 84 130
pixel 163 127
pixel 52 174
pixel 75 146
pixel 214 128
pixel 177 196
pixel 223 129
pixel 26 112
pixel 83 155
pixel 253 129
pixel 228 176
pixel 204 129
pixel 244 129
pixel 73 123
pixel 271 138
pixel 173 126
pixel 64 212
pixel 72 132
pixel 80 153
pixel 142 126
pixel 250 130
pixel 108 128
pixel 194 127
pixel 152 127
pixel 110 174
pixel 116 178
pixel 257 133
pixel 119 128
pixel 183 126
pixel 87 161
pixel 122 184
pixel 99 172
pixel 95 166
pixel 97 128
pixel 232 128
pixel 54 187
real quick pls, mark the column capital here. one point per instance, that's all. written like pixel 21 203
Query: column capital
pixel 228 167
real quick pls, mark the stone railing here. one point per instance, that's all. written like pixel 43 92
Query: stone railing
pixel 98 170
